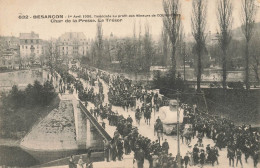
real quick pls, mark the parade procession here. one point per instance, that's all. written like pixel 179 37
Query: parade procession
pixel 129 84
pixel 204 136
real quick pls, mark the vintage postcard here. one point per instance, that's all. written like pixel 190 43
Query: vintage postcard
pixel 129 83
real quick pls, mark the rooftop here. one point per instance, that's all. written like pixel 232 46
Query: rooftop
pixel 73 36
pixel 31 35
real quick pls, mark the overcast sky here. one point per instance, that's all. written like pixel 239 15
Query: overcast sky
pixel 11 9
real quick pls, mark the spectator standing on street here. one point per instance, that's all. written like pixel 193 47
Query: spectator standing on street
pixel 231 155
pixel 202 158
pixel 165 146
pixel 238 155
pixel 80 162
pixel 107 148
pixel 256 157
pixel 129 119
pixel 72 162
pixel 139 157
pixel 186 160
pixel 196 154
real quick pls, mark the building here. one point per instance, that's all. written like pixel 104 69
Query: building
pixel 9 52
pixel 31 48
pixel 73 45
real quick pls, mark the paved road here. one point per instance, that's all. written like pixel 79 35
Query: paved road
pixel 147 131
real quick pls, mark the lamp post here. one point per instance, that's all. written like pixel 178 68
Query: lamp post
pixel 172 104
pixel 184 59
pixel 178 134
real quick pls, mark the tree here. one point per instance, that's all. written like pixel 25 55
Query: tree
pixel 99 44
pixel 255 63
pixel 224 15
pixel 165 47
pixel 172 23
pixel 148 49
pixel 248 22
pixel 198 23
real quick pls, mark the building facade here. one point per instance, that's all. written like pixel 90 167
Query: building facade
pixel 31 47
pixel 9 52
pixel 73 45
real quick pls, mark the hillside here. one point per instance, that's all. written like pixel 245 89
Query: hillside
pixel 238 34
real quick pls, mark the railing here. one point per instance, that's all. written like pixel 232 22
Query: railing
pixel 94 122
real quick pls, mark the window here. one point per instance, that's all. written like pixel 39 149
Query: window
pixel 31 41
pixel 37 41
pixel 26 41
pixel 63 48
pixel 25 47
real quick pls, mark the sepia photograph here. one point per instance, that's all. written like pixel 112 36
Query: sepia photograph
pixel 129 83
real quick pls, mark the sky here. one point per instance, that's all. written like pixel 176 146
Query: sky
pixel 10 10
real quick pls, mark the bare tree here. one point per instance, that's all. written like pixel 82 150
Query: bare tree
pixel 172 23
pixel 99 44
pixel 198 23
pixel 165 47
pixel 255 62
pixel 248 21
pixel 52 54
pixel 224 15
pixel 135 50
pixel 148 49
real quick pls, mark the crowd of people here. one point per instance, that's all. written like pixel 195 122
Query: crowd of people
pixel 122 92
pixel 126 137
pixel 238 139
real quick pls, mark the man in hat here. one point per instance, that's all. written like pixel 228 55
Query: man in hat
pixel 129 119
pixel 165 146
pixel 186 159
pixel 107 149
pixel 216 154
pixel 139 157
pixel 231 155
pixel 196 154
pixel 238 156
pixel 202 158
pixel 120 149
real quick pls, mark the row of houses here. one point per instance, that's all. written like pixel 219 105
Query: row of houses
pixel 29 48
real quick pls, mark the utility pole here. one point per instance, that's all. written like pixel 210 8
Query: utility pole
pixel 184 57
pixel 178 133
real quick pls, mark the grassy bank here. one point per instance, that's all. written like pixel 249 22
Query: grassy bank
pixel 15 125
pixel 240 106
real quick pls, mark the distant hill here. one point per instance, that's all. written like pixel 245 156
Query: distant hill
pixel 237 33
